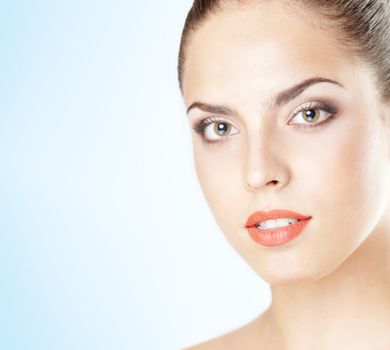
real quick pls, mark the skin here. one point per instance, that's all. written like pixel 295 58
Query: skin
pixel 330 285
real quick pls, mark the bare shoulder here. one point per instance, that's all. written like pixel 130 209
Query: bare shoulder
pixel 227 341
pixel 216 343
pixel 245 337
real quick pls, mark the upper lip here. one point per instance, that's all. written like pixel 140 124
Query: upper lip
pixel 260 216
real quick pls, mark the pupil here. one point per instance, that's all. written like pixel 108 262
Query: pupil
pixel 310 114
pixel 222 128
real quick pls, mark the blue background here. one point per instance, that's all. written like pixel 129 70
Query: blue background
pixel 106 241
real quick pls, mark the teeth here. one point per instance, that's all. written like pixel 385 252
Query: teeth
pixel 269 224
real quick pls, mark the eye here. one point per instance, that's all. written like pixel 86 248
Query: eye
pixel 312 115
pixel 215 130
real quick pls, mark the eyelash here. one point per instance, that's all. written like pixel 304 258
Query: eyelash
pixel 200 126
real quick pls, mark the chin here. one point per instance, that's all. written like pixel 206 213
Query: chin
pixel 282 279
pixel 291 275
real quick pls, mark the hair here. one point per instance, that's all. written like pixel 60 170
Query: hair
pixel 364 27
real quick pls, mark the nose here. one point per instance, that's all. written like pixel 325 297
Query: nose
pixel 267 164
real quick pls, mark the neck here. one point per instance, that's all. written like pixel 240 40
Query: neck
pixel 350 304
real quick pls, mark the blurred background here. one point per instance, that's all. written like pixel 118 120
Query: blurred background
pixel 106 241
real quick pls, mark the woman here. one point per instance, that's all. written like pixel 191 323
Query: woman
pixel 290 106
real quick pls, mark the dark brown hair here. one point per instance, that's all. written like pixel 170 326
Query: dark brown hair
pixel 364 27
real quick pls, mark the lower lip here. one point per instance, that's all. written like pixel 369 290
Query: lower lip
pixel 277 236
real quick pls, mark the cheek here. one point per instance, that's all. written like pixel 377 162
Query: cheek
pixel 353 193
pixel 341 169
pixel 219 176
pixel 219 171
pixel 357 177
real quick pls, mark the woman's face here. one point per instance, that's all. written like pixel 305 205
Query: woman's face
pixel 320 150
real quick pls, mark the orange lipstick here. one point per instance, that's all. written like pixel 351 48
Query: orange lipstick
pixel 275 233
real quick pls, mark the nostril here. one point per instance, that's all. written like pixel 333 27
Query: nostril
pixel 256 181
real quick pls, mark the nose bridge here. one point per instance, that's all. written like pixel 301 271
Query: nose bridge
pixel 264 165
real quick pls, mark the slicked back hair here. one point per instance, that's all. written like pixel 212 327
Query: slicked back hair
pixel 363 25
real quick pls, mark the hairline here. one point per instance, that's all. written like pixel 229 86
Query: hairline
pixel 352 53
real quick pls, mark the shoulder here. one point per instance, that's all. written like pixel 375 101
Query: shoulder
pixel 207 345
pixel 225 342
pixel 244 337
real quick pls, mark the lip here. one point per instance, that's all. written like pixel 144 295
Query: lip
pixel 276 236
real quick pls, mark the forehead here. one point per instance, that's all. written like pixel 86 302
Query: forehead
pixel 257 49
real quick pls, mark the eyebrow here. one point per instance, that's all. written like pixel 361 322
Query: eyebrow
pixel 280 99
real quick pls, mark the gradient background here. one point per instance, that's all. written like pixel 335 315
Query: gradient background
pixel 106 241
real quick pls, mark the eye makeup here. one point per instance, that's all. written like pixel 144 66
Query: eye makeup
pixel 329 111
pixel 326 114
pixel 201 126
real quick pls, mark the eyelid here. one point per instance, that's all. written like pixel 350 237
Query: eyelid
pixel 201 126
pixel 202 123
pixel 312 105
